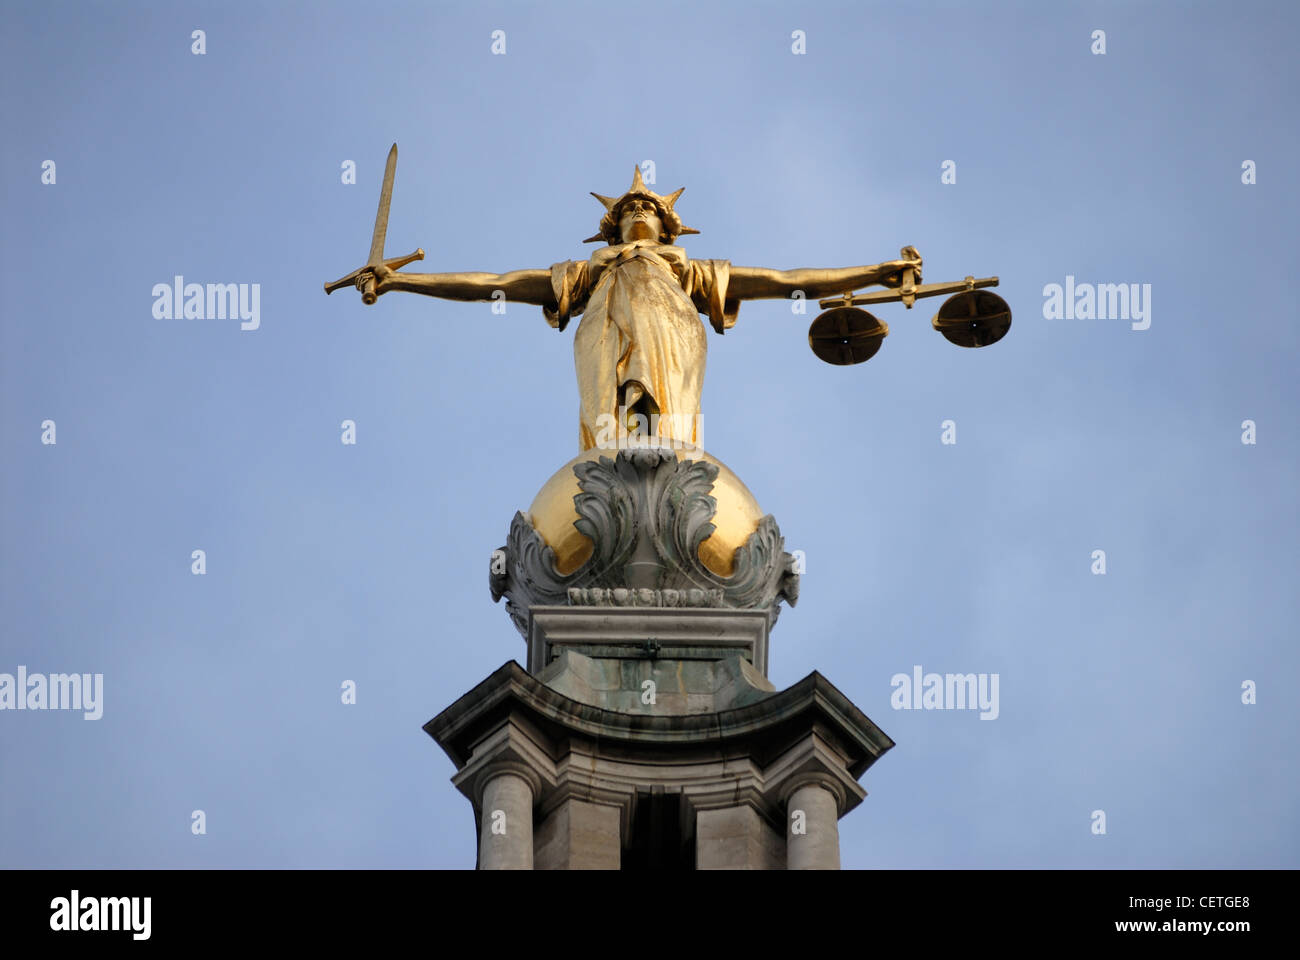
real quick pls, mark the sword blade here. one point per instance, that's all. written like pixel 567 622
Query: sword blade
pixel 381 216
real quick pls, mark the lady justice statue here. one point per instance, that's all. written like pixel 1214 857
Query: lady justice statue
pixel 640 347
pixel 640 517
pixel 645 580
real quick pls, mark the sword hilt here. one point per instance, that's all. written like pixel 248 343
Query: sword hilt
pixel 368 294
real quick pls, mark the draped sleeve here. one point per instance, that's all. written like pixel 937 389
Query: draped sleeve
pixel 569 285
pixel 705 282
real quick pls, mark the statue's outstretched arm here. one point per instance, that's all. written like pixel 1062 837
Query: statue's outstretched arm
pixel 519 286
pixel 762 283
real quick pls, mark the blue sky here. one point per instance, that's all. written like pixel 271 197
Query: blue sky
pixel 368 563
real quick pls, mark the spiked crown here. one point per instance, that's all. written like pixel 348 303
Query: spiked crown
pixel 672 224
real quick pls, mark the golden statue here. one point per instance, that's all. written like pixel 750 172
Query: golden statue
pixel 640 347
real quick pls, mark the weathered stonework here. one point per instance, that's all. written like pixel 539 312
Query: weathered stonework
pixel 644 733
pixel 646 512
pixel 656 634
pixel 728 778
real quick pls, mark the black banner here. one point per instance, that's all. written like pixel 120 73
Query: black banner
pixel 1176 909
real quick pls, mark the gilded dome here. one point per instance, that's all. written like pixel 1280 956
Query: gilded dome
pixel 552 515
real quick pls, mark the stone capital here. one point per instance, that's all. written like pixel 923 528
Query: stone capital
pixel 510 748
pixel 813 761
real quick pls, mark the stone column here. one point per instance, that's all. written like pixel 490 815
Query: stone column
pixel 506 842
pixel 813 811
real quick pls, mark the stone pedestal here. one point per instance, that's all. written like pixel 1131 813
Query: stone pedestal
pixel 644 733
pixel 713 790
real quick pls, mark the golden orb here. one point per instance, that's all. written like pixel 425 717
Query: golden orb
pixel 552 515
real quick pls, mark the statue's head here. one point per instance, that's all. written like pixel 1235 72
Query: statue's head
pixel 639 220
pixel 640 214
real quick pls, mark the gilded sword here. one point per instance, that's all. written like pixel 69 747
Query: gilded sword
pixel 364 277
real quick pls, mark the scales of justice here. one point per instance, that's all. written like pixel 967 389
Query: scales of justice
pixel 645 580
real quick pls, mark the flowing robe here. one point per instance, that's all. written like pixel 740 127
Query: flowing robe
pixel 641 304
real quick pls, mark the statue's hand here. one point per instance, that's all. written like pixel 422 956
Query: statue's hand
pixel 381 275
pixel 911 258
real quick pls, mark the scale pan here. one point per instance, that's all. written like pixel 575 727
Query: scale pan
pixel 846 335
pixel 975 318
